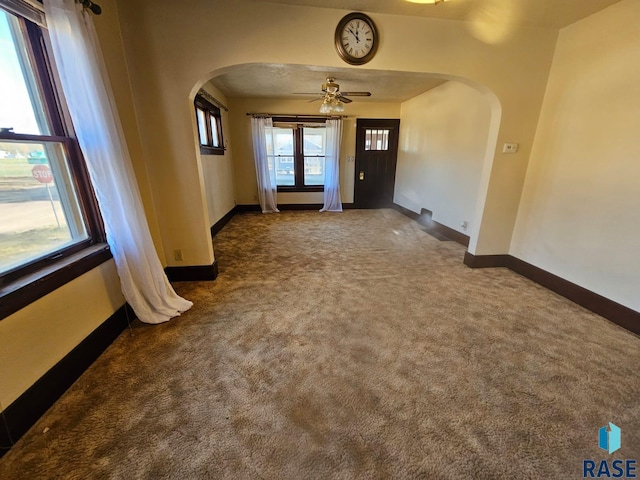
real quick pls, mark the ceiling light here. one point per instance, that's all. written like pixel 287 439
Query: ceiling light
pixel 435 2
pixel 330 103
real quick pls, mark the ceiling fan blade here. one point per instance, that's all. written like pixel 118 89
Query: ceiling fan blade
pixel 315 99
pixel 356 94
pixel 297 93
pixel 344 99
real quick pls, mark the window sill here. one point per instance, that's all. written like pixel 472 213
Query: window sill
pixel 300 190
pixel 211 150
pixel 20 293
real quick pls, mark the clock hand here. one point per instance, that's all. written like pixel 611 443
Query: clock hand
pixel 355 35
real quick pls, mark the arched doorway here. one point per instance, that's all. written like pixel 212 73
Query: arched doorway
pixel 268 88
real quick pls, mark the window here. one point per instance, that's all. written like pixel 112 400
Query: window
pixel 297 151
pixel 376 139
pixel 280 151
pixel 209 127
pixel 47 207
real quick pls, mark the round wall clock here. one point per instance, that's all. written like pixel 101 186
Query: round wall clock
pixel 356 38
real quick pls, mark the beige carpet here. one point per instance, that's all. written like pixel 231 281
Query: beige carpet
pixel 340 346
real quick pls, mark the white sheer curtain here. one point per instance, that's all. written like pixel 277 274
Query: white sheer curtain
pixel 332 201
pixel 88 94
pixel 262 132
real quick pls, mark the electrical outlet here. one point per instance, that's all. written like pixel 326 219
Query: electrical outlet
pixel 177 255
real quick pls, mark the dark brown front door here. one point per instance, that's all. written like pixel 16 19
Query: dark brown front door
pixel 376 158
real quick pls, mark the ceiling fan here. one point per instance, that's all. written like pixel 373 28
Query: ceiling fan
pixel 332 97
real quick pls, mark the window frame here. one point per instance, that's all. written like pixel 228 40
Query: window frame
pixel 31 280
pixel 298 153
pixel 211 113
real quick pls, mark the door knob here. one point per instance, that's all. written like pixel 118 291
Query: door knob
pixel 361 175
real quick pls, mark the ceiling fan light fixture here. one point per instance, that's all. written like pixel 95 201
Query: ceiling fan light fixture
pixel 333 99
pixel 325 107
pixel 330 103
pixel 330 86
pixel 434 2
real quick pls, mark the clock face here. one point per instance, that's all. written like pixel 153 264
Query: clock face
pixel 356 38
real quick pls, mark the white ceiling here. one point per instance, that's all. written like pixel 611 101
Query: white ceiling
pixel 282 81
pixel 539 13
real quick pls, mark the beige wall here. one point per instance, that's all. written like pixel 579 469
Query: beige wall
pixel 443 139
pixel 217 170
pixel 35 338
pixel 580 212
pixel 245 172
pixel 172 50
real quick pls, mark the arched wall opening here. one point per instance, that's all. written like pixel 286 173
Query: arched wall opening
pixel 176 52
pixel 465 163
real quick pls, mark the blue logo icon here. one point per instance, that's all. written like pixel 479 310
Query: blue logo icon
pixel 609 440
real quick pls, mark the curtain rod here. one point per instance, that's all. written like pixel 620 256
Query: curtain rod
pixel 212 99
pixel 289 115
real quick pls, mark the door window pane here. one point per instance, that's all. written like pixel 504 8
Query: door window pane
pixel 22 108
pixel 39 210
pixel 376 139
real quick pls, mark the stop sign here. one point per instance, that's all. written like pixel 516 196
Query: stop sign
pixel 42 173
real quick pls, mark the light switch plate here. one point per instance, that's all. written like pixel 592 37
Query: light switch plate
pixel 510 148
